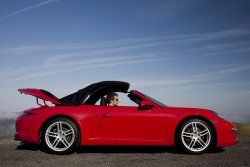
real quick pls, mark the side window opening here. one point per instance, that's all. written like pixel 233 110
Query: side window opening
pixel 124 100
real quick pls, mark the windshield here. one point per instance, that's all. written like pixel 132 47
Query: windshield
pixel 154 100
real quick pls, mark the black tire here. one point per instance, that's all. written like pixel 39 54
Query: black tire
pixel 195 136
pixel 60 136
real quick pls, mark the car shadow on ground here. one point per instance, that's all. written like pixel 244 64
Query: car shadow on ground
pixel 27 146
pixel 106 149
pixel 116 149
pixel 126 149
pixel 137 149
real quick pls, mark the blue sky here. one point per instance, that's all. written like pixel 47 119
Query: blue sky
pixel 192 53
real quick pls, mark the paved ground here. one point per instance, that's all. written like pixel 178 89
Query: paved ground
pixel 14 153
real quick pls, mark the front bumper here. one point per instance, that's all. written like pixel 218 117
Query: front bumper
pixel 226 133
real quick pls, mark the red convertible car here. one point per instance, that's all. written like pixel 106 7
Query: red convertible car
pixel 79 120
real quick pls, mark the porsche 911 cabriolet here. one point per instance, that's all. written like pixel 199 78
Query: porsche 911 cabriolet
pixel 84 119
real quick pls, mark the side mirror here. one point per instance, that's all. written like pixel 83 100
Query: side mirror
pixel 146 105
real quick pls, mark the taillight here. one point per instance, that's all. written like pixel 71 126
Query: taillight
pixel 26 113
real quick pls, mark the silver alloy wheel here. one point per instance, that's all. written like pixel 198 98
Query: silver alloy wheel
pixel 196 136
pixel 60 136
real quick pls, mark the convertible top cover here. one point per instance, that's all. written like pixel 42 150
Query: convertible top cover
pixel 93 92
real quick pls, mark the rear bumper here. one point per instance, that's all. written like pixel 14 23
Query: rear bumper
pixel 26 131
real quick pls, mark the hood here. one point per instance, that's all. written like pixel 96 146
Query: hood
pixel 41 94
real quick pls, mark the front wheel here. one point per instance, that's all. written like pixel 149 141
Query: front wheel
pixel 195 136
pixel 60 136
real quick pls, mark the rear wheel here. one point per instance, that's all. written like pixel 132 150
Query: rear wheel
pixel 195 136
pixel 60 136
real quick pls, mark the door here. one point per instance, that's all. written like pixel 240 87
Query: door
pixel 129 125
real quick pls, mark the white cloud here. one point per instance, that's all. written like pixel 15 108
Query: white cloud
pixel 76 65
pixel 204 78
pixel 136 43
pixel 47 2
pixel 114 53
pixel 227 70
pixel 162 82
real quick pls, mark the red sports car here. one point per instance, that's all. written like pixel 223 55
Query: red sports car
pixel 79 119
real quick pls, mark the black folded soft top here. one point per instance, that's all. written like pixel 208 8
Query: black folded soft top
pixel 93 92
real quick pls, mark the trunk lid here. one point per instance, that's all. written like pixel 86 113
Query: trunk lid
pixel 41 94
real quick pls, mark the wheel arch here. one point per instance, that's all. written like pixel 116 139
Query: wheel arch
pixel 57 116
pixel 195 117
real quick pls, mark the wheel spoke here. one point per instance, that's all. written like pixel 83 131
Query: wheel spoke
pixel 201 143
pixel 204 132
pixel 52 134
pixel 65 142
pixel 192 143
pixel 194 126
pixel 59 126
pixel 55 143
pixel 68 132
pixel 187 134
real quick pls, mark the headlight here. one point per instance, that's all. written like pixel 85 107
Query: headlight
pixel 218 114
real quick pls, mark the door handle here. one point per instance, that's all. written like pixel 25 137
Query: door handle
pixel 105 114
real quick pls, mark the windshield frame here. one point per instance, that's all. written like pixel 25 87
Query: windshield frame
pixel 154 100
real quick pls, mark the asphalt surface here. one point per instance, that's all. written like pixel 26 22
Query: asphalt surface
pixel 15 153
